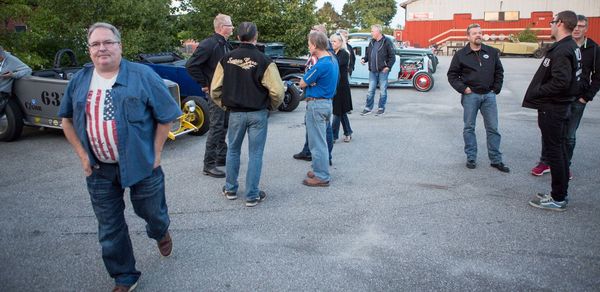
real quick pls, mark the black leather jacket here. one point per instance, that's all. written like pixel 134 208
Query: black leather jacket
pixel 386 55
pixel 203 62
pixel 557 80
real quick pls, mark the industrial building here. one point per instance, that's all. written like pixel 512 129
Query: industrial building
pixel 442 23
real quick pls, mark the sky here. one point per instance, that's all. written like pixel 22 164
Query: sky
pixel 339 4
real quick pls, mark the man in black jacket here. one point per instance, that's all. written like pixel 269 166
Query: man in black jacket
pixel 380 55
pixel 477 74
pixel 201 67
pixel 590 61
pixel 553 88
pixel 247 84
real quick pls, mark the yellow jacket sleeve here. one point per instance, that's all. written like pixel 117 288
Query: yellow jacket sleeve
pixel 272 81
pixel 216 86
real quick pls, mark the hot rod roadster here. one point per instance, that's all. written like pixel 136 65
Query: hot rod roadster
pixel 36 100
pixel 410 69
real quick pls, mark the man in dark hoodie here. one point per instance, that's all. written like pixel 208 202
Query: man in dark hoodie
pixel 201 67
pixel 553 88
pixel 590 62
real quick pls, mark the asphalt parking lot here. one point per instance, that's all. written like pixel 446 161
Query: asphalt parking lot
pixel 402 212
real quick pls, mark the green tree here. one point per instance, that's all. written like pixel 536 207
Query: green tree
pixel 287 21
pixel 329 17
pixel 527 35
pixel 15 11
pixel 145 26
pixel 364 13
pixel 349 14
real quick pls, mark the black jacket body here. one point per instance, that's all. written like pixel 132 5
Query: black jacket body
pixel 557 81
pixel 244 69
pixel 480 70
pixel 352 59
pixel 590 62
pixel 201 66
pixel 386 54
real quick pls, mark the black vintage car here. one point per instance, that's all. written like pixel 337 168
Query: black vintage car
pixel 171 66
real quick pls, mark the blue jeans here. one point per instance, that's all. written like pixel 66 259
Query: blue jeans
pixel 486 103
pixel 343 119
pixel 149 203
pixel 318 114
pixel 255 123
pixel 382 78
pixel 577 109
pixel 306 149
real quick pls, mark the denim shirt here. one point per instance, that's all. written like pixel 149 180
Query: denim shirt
pixel 141 100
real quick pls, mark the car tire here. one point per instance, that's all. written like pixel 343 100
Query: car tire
pixel 201 117
pixel 11 124
pixel 423 81
pixel 291 97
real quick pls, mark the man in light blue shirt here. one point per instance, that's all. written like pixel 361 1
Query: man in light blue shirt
pixel 320 83
pixel 117 115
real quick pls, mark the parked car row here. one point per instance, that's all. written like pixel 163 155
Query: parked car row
pixel 37 97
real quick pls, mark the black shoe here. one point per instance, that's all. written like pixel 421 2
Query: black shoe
pixel 220 163
pixel 500 166
pixel 229 195
pixel 471 164
pixel 214 172
pixel 330 163
pixel 303 156
pixel 261 197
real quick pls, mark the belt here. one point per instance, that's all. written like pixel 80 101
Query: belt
pixel 314 98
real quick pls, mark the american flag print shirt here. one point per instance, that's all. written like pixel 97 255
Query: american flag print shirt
pixel 100 117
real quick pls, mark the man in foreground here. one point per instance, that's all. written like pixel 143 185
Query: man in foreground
pixel 590 63
pixel 117 114
pixel 551 92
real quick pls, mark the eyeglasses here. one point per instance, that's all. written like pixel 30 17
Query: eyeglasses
pixel 106 44
pixel 554 21
pixel 581 26
pixel 228 25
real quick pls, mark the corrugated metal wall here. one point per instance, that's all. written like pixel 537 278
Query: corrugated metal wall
pixel 429 32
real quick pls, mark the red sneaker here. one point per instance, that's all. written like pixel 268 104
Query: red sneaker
pixel 540 169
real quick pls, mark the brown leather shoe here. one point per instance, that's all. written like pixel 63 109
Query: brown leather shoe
pixel 310 174
pixel 121 288
pixel 315 182
pixel 165 245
